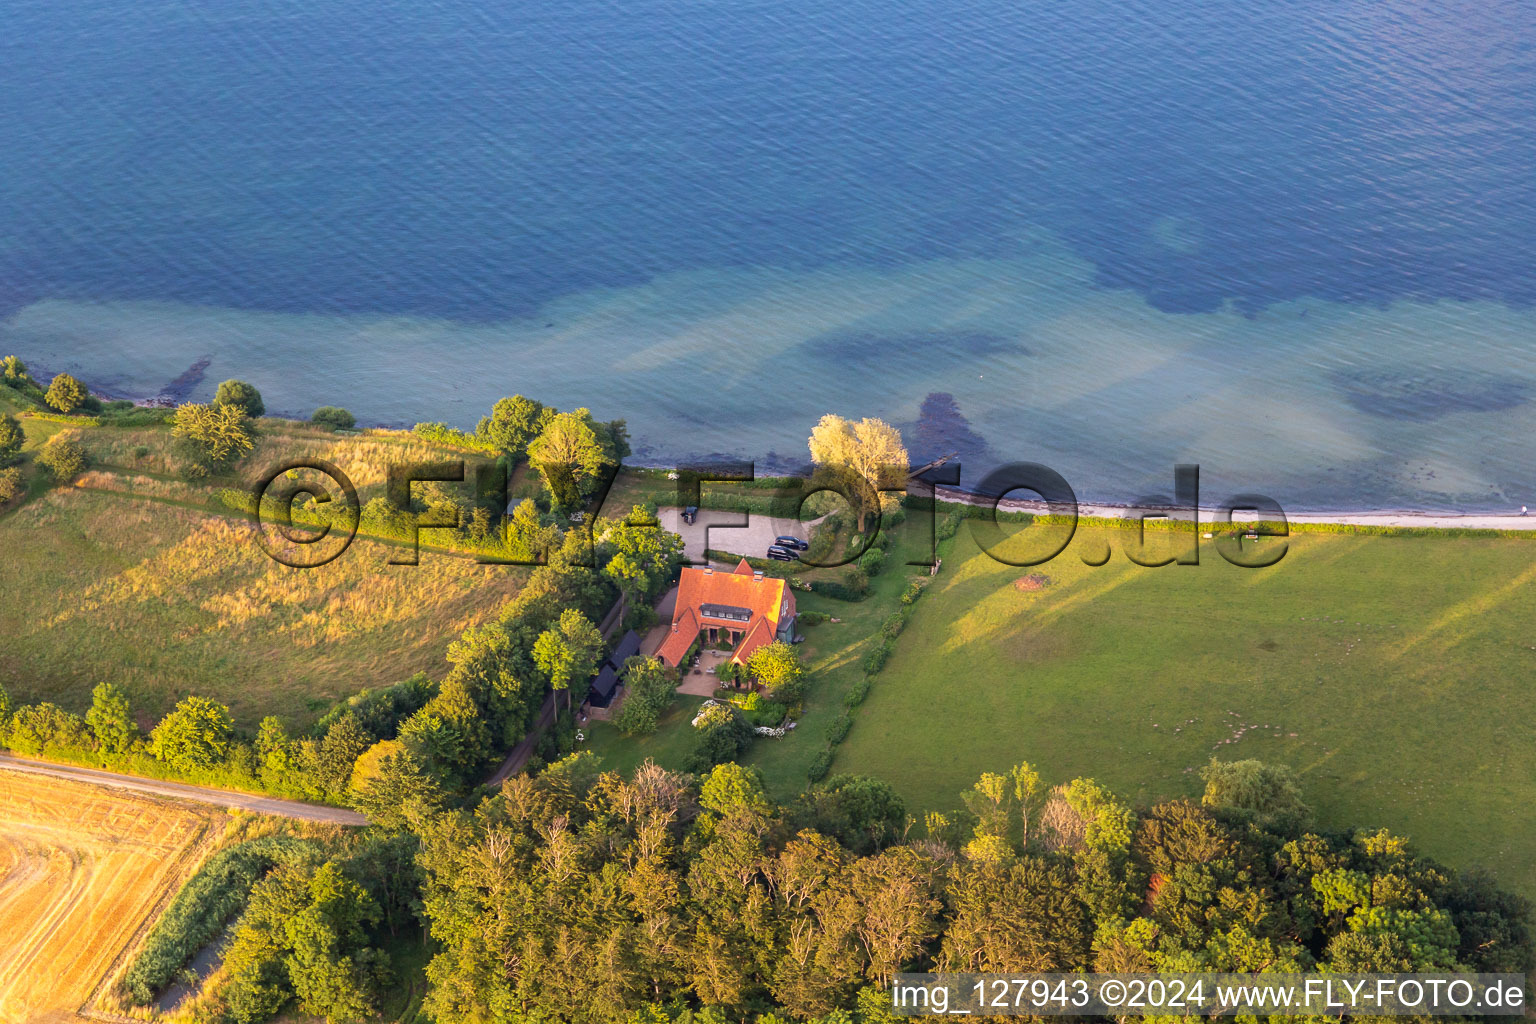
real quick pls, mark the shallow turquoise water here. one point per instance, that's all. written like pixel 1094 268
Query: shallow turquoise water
pixel 1292 244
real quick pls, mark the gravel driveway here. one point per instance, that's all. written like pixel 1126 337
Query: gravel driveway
pixel 740 533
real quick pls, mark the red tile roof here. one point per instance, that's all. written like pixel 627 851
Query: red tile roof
pixel 685 629
pixel 759 635
pixel 767 600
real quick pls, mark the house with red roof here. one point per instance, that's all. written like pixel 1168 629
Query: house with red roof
pixel 744 608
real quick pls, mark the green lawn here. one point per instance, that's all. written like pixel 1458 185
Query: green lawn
pixel 1393 673
pixel 832 652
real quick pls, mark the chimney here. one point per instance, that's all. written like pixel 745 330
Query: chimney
pixel 757 575
pixel 709 570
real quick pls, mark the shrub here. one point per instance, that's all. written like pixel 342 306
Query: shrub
pixel 62 456
pixel 854 586
pixel 838 730
pixel 914 591
pixel 212 435
pixel 768 713
pixel 10 484
pixel 442 433
pixel 140 417
pixel 875 660
pixel 240 395
pixel 811 618
pixel 65 393
pixel 819 766
pixel 871 561
pixel 36 727
pixel 949 526
pixel 857 692
pixel 380 710
pixel 11 439
pixel 891 628
pixel 140 450
pixel 334 417
pixel 723 735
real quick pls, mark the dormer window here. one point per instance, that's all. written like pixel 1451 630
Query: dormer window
pixel 726 611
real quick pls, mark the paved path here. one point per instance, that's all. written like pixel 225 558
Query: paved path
pixel 201 794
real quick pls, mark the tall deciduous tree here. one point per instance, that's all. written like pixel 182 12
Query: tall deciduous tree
pixel 568 652
pixel 869 451
pixel 569 454
pixel 649 687
pixel 777 666
pixel 528 536
pixel 65 393
pixel 110 718
pixel 513 423
pixel 644 556
pixel 194 736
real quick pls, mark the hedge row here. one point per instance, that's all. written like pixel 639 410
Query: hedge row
pixel 442 433
pixel 203 908
pixel 874 660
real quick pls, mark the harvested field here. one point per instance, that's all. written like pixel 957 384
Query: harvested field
pixel 82 873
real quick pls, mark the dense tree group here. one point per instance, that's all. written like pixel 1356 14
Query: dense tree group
pixel 584 896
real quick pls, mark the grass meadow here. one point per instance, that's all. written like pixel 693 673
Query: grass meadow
pixel 132 574
pixel 1393 673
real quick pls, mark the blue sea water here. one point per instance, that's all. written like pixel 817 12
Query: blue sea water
pixel 1291 241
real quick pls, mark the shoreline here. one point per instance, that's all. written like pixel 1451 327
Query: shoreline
pixel 1377 518
pixel 1412 519
pixel 1383 518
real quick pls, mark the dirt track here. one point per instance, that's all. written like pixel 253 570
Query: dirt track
pixel 181 791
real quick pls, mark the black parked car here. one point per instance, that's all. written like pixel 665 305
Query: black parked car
pixel 791 543
pixel 781 554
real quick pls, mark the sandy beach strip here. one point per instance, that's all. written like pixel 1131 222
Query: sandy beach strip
pixel 1379 518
